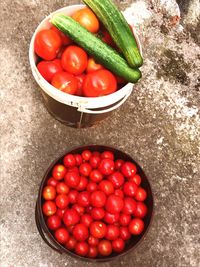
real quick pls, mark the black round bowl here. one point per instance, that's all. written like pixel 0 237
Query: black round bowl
pixel 48 236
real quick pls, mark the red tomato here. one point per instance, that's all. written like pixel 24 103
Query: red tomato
pixel 140 194
pixel 124 219
pixel 106 166
pixel 86 155
pixel 85 169
pixel 47 44
pixel 60 212
pixel 129 206
pixel 91 187
pixel 98 229
pixel 74 60
pixel 141 210
pixel 111 218
pixel 119 193
pixel 53 222
pixel 71 217
pixel 69 160
pixel 118 164
pixel 136 179
pixel 49 192
pixel 118 245
pixel 106 38
pixel 49 68
pixel 61 235
pixel 128 169
pixel 80 79
pixel 80 209
pixel 98 199
pixel 62 188
pixel 114 204
pixel 96 176
pixel 107 155
pixel 65 82
pixel 136 226
pixel 59 172
pixel 80 232
pixel 105 247
pixel 78 158
pixel 52 181
pixel 130 189
pixel 82 248
pixel 96 153
pixel 71 243
pixel 107 187
pixel 93 252
pixel 93 241
pixel 124 233
pixel 65 39
pixel 73 169
pixel 83 198
pixel 117 179
pixel 87 19
pixel 83 183
pixel 73 194
pixel 72 179
pixel 86 219
pixel 120 80
pixel 94 161
pixel 112 232
pixel 99 83
pixel 97 213
pixel 93 66
pixel 49 208
pixel 62 201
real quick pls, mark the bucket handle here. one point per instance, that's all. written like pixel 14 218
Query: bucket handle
pixel 85 110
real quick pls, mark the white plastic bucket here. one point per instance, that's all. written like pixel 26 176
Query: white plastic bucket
pixel 84 105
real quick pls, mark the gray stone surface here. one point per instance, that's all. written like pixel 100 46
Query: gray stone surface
pixel 159 126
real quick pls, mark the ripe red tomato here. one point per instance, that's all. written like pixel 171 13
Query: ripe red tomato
pixel 112 232
pixel 124 233
pixel 97 213
pixel 94 161
pixel 78 158
pixel 85 169
pixel 93 66
pixel 82 248
pixel 62 188
pixel 73 194
pixel 72 179
pixel 53 222
pixel 93 241
pixel 59 172
pixel 83 198
pixel 69 160
pixel 62 201
pixel 91 187
pixel 83 183
pixel 124 219
pixel 105 248
pixel 130 189
pixel 98 199
pixel 98 229
pixel 74 60
pixel 71 243
pixel 49 208
pixel 73 169
pixel 99 83
pixel 106 166
pixel 114 204
pixel 129 206
pixel 47 44
pixel 105 36
pixel 52 181
pixel 141 210
pixel 93 252
pixel 80 79
pixel 65 82
pixel 86 219
pixel 61 235
pixel 80 209
pixel 49 192
pixel 49 68
pixel 107 187
pixel 86 155
pixel 65 39
pixel 71 217
pixel 118 245
pixel 118 164
pixel 128 169
pixel 60 212
pixel 96 176
pixel 111 218
pixel 117 179
pixel 140 194
pixel 119 193
pixel 96 153
pixel 136 179
pixel 107 155
pixel 87 19
pixel 136 226
pixel 80 232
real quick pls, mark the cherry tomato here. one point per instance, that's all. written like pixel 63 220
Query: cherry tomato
pixel 130 189
pixel 96 176
pixel 141 210
pixel 74 60
pixel 98 229
pixel 61 235
pixel 106 166
pixel 140 194
pixel 112 232
pixel 105 247
pixel 97 213
pixel 107 155
pixel 111 218
pixel 85 169
pixel 80 79
pixel 94 161
pixel 87 19
pixel 93 66
pixel 114 204
pixel 124 219
pixel 118 164
pixel 53 222
pixel 62 188
pixel 65 39
pixel 60 212
pixel 70 228
pixel 73 194
pixel 49 68
pixel 93 241
pixel 80 209
pixel 136 226
pixel 86 219
pixel 124 233
pixel 59 172
pixel 96 153
pixel 88 209
pixel 83 183
pixel 49 192
pixel 93 252
pixel 119 193
pixel 69 160
pixel 82 248
pixel 72 179
pixel 117 179
pixel 99 83
pixel 80 232
pixel 62 201
pixel 73 169
pixel 71 217
pixel 65 82
pixel 136 179
pixel 98 199
pixel 129 206
pixel 71 243
pixel 49 208
pixel 91 187
pixel 83 198
pixel 128 169
pixel 78 158
pixel 47 44
pixel 105 36
pixel 86 155
pixel 107 187
pixel 52 181
pixel 118 245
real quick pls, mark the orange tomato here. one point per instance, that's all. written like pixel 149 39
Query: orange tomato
pixel 87 19
pixel 93 66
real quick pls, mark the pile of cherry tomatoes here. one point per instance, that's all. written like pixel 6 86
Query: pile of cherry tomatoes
pixel 68 67
pixel 94 203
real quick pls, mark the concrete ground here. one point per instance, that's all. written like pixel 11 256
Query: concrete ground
pixel 159 126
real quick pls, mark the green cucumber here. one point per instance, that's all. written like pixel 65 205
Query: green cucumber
pixel 102 52
pixel 115 23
